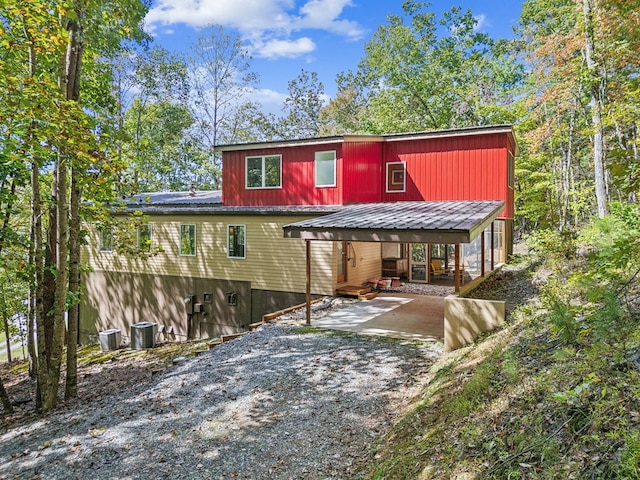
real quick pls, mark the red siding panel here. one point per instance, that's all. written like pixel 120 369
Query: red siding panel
pixel 363 174
pixel 460 167
pixel 298 178
pixel 455 168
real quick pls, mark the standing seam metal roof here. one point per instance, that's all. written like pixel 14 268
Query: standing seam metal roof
pixel 428 222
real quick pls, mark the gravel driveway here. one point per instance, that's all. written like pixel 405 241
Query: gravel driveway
pixel 274 404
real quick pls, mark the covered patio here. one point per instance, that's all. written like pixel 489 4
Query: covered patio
pixel 396 315
pixel 447 222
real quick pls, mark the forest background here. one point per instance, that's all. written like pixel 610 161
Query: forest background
pixel 91 112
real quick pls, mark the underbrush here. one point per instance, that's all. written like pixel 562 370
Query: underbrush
pixel 556 394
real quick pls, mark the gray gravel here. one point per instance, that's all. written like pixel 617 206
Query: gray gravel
pixel 274 404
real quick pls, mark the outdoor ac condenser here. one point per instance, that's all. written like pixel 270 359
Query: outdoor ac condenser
pixel 110 339
pixel 143 335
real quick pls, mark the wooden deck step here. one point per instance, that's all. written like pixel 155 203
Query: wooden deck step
pixel 352 291
pixel 368 296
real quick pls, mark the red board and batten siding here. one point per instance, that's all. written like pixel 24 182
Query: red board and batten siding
pixel 298 178
pixel 471 167
pixel 362 170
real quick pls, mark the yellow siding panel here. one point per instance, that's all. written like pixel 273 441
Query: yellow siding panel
pixel 272 262
pixel 367 262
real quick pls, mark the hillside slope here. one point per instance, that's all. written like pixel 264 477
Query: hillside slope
pixel 520 403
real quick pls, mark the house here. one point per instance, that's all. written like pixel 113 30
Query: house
pixel 299 218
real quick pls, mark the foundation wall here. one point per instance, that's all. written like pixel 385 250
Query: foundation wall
pixel 466 318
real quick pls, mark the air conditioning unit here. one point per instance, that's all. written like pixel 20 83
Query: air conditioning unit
pixel 110 339
pixel 143 335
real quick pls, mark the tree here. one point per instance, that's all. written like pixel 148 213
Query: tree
pixel 302 107
pixel 156 121
pixel 160 150
pixel 348 111
pixel 222 79
pixel 418 79
pixel 47 46
pixel 577 50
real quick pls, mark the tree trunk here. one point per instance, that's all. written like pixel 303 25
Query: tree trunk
pixel 4 398
pixel 6 329
pixel 71 386
pixel 73 71
pixel 596 92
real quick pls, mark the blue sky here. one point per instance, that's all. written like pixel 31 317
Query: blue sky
pixel 286 36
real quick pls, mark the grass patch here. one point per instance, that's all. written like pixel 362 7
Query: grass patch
pixel 308 329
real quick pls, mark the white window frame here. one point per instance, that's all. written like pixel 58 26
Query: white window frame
pixel 388 180
pixel 263 166
pixel 102 231
pixel 244 227
pixel 324 161
pixel 195 238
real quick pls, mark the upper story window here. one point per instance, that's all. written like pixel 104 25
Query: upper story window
pixel 326 169
pixel 105 239
pixel 264 172
pixel 396 177
pixel 145 238
pixel 236 241
pixel 188 240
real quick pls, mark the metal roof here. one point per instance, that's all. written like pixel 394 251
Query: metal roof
pixel 210 203
pixel 416 222
pixel 389 137
pixel 203 197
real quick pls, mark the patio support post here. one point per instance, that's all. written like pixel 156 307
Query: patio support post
pixel 483 256
pixel 493 247
pixel 456 276
pixel 428 269
pixel 308 291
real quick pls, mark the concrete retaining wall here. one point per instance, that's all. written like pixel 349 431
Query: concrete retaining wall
pixel 466 318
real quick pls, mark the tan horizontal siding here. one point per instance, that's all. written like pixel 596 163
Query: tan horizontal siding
pixel 367 262
pixel 272 262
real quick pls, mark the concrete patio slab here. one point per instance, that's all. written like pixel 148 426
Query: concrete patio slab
pixel 407 316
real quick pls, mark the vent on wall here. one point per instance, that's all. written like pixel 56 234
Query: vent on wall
pixel 232 298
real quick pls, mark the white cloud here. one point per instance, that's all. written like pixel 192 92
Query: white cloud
pixel 270 100
pixel 284 48
pixel 482 22
pixel 323 15
pixel 268 25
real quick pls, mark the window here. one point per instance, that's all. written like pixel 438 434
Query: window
pixel 264 172
pixel 105 238
pixel 396 177
pixel 326 169
pixel 188 240
pixel 236 241
pixel 144 238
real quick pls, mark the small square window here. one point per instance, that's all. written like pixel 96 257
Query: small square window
pixel 105 239
pixel 188 240
pixel 396 177
pixel 145 238
pixel 236 241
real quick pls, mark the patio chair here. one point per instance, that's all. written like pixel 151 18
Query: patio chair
pixel 437 268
